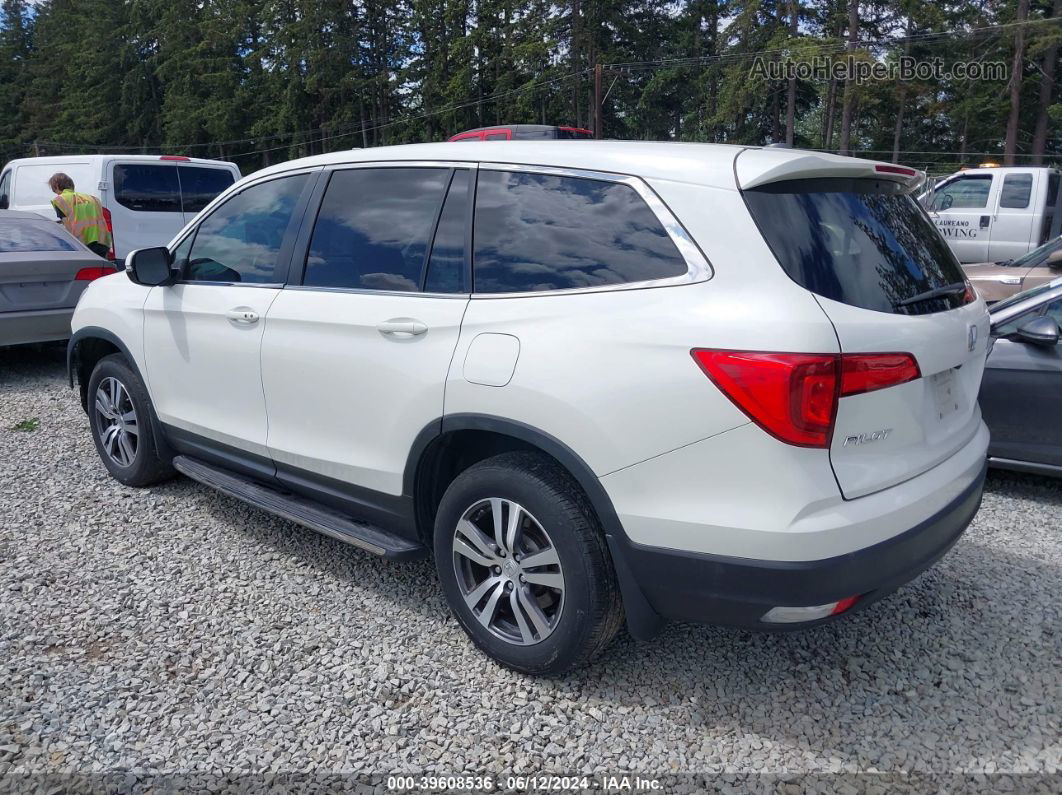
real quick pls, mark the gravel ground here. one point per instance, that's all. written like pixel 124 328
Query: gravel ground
pixel 176 630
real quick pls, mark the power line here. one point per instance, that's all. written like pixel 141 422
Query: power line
pixel 426 114
pixel 346 131
pixel 336 133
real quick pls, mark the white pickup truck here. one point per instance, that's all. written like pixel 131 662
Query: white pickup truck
pixel 995 214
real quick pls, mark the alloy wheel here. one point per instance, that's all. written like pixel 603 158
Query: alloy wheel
pixel 508 571
pixel 116 421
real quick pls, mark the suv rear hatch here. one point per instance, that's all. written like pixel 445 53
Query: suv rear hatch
pixel 850 232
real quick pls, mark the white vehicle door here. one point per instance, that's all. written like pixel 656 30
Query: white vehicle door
pixel 144 200
pixel 1013 222
pixel 962 210
pixel 203 334
pixel 356 351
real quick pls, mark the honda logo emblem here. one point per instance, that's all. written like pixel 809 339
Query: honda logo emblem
pixel 971 338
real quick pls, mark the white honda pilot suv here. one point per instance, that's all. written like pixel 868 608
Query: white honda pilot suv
pixel 600 381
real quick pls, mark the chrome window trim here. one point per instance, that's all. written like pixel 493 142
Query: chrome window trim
pixel 363 291
pixel 698 269
pixel 472 164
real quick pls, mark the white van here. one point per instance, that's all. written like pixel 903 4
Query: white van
pixel 996 214
pixel 146 199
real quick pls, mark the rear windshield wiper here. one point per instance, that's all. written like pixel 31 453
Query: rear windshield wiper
pixel 936 292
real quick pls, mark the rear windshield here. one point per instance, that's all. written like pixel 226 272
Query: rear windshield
pixel 862 242
pixel 32 236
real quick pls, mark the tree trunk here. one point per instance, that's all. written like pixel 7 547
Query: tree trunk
pixel 1047 86
pixel 902 101
pixel 1010 146
pixel 848 108
pixel 790 104
pixel 576 60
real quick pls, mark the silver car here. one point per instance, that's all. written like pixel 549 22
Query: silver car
pixel 1023 381
pixel 43 271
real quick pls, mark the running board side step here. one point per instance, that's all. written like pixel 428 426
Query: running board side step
pixel 301 511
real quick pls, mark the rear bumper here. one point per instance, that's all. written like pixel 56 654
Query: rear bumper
pixel 690 586
pixel 45 325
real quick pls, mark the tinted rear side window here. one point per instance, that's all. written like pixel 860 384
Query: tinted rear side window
pixel 543 232
pixel 1017 190
pixel 31 236
pixel 858 241
pixel 199 185
pixel 374 228
pixel 147 187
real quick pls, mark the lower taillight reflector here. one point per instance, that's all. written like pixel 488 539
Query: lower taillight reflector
pixel 797 615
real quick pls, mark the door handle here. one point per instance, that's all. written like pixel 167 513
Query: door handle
pixel 985 220
pixel 242 315
pixel 402 327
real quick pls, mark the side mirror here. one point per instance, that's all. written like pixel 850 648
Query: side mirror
pixel 946 201
pixel 150 266
pixel 1054 259
pixel 4 201
pixel 1038 331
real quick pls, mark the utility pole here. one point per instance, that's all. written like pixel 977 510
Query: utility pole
pixel 598 101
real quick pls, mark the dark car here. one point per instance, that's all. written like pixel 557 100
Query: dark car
pixel 524 132
pixel 1023 382
pixel 43 271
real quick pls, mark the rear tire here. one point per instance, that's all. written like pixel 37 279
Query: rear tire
pixel 120 417
pixel 540 595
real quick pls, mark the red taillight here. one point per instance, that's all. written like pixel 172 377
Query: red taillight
pixel 179 158
pixel 865 372
pixel 110 231
pixel 792 396
pixel 88 274
pixel 970 295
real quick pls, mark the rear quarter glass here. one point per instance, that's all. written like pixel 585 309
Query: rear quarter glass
pixel 863 242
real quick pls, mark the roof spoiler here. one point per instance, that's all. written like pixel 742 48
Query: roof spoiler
pixel 755 167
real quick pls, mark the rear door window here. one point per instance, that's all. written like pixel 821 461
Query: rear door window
pixel 31 181
pixel 147 187
pixel 200 185
pixel 862 242
pixel 544 232
pixel 1017 190
pixel 374 228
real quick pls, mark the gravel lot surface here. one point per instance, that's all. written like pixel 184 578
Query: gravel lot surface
pixel 173 629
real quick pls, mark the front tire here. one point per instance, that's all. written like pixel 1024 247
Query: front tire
pixel 524 565
pixel 120 418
